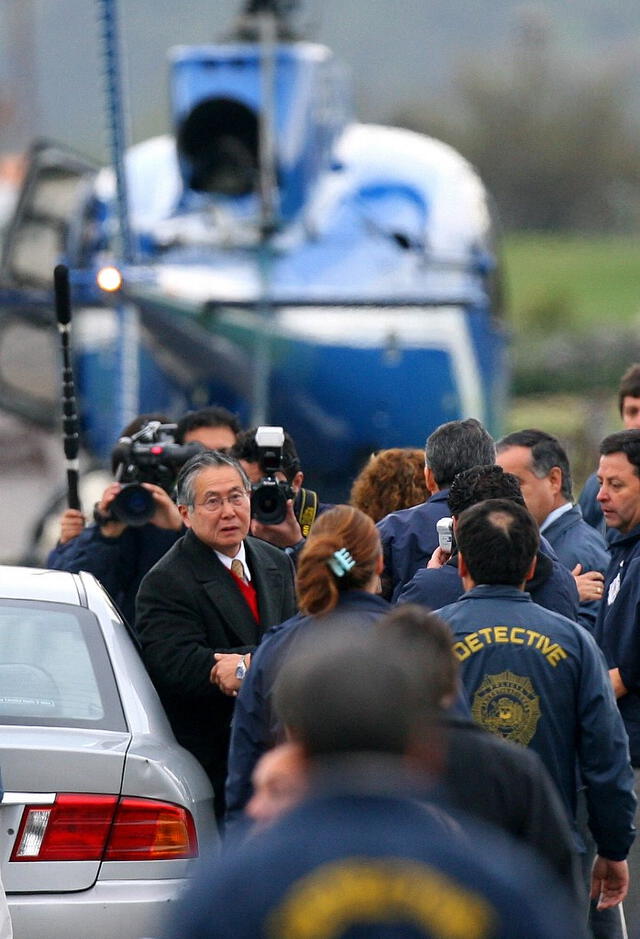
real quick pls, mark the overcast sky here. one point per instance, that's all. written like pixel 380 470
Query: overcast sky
pixel 402 53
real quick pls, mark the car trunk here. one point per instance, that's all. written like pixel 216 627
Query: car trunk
pixel 39 763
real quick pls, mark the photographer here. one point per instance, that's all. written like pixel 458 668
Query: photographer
pixel 119 554
pixel 299 507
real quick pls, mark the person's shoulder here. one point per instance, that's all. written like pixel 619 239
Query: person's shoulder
pixel 273 636
pixel 563 628
pixel 166 565
pixel 483 872
pixel 406 516
pixel 431 584
pixel 263 551
pixel 450 610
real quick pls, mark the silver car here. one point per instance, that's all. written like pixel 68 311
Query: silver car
pixel 103 815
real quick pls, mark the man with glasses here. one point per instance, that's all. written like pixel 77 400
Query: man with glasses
pixel 203 607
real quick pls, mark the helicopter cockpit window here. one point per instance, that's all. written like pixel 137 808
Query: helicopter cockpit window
pixel 218 148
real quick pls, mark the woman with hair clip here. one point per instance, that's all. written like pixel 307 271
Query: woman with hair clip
pixel 337 586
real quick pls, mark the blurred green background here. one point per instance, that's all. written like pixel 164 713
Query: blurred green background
pixel 573 310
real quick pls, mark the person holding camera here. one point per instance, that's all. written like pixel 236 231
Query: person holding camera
pixel 135 522
pixel 282 510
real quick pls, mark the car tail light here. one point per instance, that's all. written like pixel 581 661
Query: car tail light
pixel 147 830
pixel 98 827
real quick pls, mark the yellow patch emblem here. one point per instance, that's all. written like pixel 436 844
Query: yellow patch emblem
pixel 507 705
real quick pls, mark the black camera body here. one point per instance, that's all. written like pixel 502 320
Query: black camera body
pixel 269 496
pixel 150 456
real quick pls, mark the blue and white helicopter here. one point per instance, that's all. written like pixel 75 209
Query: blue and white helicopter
pixel 271 254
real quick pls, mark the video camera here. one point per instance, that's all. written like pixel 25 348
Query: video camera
pixel 269 496
pixel 149 456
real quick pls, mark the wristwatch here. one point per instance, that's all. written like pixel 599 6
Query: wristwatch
pixel 241 668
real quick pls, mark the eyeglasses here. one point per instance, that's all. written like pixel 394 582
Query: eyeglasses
pixel 214 503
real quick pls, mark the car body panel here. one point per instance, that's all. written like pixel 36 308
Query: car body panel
pixel 137 755
pixel 111 909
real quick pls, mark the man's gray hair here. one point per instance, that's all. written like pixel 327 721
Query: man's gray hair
pixel 185 484
pixel 457 446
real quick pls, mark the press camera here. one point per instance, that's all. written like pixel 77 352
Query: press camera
pixel 149 456
pixel 269 496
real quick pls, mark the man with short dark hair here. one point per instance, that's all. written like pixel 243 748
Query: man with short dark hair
pixel 202 609
pixel 409 536
pixel 214 427
pixel 629 409
pixel 536 678
pixel 509 786
pixel 541 466
pixel 438 584
pixel 617 628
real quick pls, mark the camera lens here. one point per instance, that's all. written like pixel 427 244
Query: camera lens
pixel 133 505
pixel 268 503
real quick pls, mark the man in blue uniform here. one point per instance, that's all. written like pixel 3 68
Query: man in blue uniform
pixel 439 583
pixel 617 628
pixel 362 855
pixel 409 536
pixel 536 678
pixel 629 408
pixel 541 466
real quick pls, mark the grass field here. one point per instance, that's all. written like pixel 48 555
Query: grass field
pixel 571 282
pixel 588 286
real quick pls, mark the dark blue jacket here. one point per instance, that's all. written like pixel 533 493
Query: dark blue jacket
pixel 409 538
pixel 374 862
pixel 617 628
pixel 539 679
pixel 575 542
pixel 118 563
pixel 590 507
pixel 254 728
pixel 552 586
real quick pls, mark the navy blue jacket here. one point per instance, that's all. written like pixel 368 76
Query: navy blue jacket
pixel 374 862
pixel 590 507
pixel 118 563
pixel 552 586
pixel 540 680
pixel 254 728
pixel 409 538
pixel 575 542
pixel 617 628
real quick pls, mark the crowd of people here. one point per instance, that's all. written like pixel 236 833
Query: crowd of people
pixel 403 735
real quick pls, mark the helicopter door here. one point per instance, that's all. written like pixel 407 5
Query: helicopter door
pixel 50 216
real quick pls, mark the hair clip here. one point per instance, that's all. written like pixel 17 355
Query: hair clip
pixel 341 562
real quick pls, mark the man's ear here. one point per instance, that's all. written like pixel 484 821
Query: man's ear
pixel 430 480
pixel 463 570
pixel 532 569
pixel 297 481
pixel 555 479
pixel 184 514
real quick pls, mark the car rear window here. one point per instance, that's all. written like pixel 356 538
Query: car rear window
pixel 54 668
